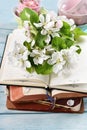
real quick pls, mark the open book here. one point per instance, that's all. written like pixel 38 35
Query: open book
pixel 76 80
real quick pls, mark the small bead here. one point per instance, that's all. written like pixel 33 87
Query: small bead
pixel 70 102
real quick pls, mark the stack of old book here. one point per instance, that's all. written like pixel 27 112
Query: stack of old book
pixel 40 99
pixel 48 93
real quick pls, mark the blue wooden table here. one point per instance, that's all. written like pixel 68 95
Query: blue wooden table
pixel 20 120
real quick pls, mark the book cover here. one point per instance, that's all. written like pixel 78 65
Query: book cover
pixel 60 106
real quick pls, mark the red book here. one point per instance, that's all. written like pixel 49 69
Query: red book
pixel 18 94
pixel 36 99
pixel 60 106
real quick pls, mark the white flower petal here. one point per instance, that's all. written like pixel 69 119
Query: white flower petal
pixel 43 32
pixel 41 18
pixel 50 62
pixel 73 27
pixel 38 25
pixel 49 25
pixel 55 56
pixel 71 21
pixel 25 55
pixel 55 35
pixel 36 52
pixel 57 68
pixel 35 61
pixel 59 24
pixel 32 43
pixel 45 57
pixel 48 39
pixel 49 48
pixel 27 64
pixel 48 18
pixel 40 60
pixel 54 30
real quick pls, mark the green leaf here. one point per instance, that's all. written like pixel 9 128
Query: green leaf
pixel 43 10
pixel 58 43
pixel 79 49
pixel 40 40
pixel 69 42
pixel 78 32
pixel 30 70
pixel 33 30
pixel 20 22
pixel 31 60
pixel 29 14
pixel 27 45
pixel 44 69
pixel 65 30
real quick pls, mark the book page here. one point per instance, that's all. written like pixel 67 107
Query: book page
pixel 76 75
pixel 59 92
pixel 33 91
pixel 10 73
pixel 26 93
pixel 73 87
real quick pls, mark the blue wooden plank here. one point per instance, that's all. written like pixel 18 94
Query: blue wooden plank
pixel 50 4
pixel 43 122
pixel 1 49
pixel 6 9
pixel 8 26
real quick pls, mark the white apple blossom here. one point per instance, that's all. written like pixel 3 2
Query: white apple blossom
pixel 49 49
pixel 48 39
pixel 46 23
pixel 71 22
pixel 70 56
pixel 64 60
pixel 49 26
pixel 42 21
pixel 59 24
pixel 19 56
pixel 57 61
pixel 27 64
pixel 39 56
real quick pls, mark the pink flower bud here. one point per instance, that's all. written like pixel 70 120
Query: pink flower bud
pixel 32 4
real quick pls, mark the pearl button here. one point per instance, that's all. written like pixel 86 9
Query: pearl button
pixel 70 102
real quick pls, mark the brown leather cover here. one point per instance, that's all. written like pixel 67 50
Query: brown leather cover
pixel 45 106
